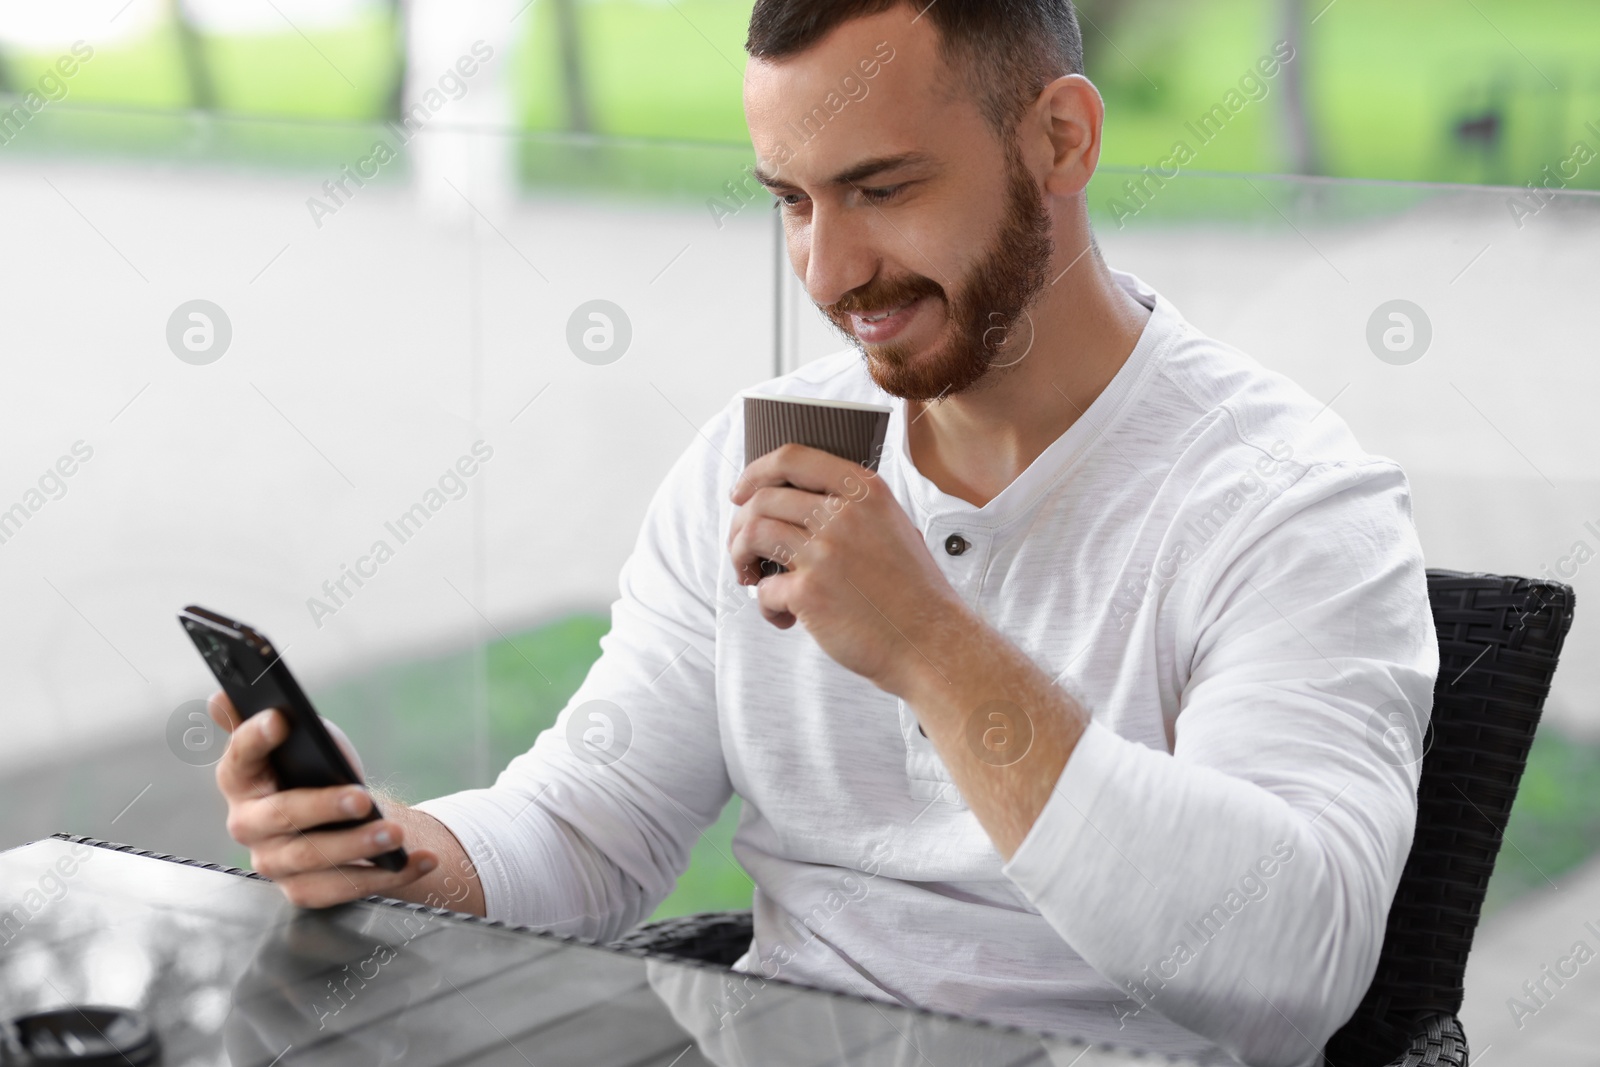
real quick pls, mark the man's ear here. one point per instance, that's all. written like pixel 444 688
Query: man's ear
pixel 1070 116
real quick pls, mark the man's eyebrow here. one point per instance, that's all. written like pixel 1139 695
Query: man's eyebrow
pixel 860 172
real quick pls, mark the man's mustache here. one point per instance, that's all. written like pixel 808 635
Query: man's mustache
pixel 883 299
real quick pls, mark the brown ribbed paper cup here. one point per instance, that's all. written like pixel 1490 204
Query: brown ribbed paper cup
pixel 850 431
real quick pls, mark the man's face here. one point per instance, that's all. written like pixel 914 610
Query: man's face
pixel 954 237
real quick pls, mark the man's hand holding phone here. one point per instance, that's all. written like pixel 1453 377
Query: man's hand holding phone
pixel 314 868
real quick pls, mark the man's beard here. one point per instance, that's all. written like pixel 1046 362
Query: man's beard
pixel 984 314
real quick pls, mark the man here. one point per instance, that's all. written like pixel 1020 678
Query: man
pixel 1064 719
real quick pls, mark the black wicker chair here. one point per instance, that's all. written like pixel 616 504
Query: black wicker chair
pixel 1499 641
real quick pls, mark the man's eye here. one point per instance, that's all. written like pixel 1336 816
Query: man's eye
pixel 879 196
pixel 783 200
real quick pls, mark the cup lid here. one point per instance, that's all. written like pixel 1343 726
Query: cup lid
pixel 85 1035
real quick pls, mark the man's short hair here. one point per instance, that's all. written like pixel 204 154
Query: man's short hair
pixel 1007 51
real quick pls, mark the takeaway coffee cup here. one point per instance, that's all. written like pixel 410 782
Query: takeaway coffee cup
pixel 851 431
pixel 88 1035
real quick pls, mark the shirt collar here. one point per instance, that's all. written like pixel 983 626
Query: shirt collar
pixel 929 502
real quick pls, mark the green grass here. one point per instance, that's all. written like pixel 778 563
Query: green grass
pixel 279 75
pixel 1387 82
pixel 1384 102
pixel 328 74
pixel 1555 823
pixel 145 73
pixel 654 70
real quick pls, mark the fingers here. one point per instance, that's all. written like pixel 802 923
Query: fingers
pixel 315 868
pixel 773 595
pixel 776 522
pixel 222 711
pixel 243 770
pixel 286 855
pixel 760 538
pixel 293 810
pixel 330 886
pixel 798 507
pixel 803 468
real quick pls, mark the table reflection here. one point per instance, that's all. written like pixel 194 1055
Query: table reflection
pixel 304 981
pixel 231 976
pixel 742 1020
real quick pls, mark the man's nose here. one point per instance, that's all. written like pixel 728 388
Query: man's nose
pixel 839 255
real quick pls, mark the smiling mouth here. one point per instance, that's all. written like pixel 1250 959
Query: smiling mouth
pixel 884 325
pixel 880 316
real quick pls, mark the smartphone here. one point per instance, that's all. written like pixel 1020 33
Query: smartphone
pixel 255 678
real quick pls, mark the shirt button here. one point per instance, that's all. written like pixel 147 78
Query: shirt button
pixel 955 544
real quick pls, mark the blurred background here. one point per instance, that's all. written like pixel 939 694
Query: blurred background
pixel 269 268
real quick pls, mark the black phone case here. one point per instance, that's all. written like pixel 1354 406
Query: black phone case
pixel 255 678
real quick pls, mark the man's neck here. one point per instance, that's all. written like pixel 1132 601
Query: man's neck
pixel 1085 327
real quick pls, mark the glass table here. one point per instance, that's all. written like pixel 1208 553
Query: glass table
pixel 229 973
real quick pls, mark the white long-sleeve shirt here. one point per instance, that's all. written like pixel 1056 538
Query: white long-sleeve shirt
pixel 1206 560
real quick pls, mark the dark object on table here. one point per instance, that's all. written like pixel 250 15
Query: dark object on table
pixel 85 1035
pixel 718 937
pixel 1499 641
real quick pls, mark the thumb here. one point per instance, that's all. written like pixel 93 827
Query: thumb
pixel 222 712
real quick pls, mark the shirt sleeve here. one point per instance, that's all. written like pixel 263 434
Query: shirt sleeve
pixel 1240 885
pixel 587 832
